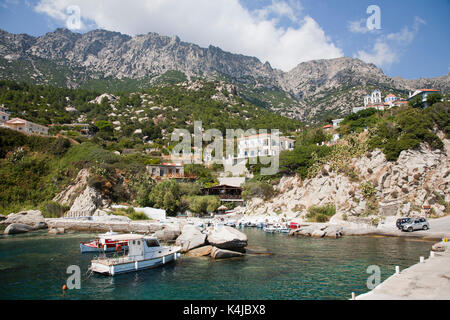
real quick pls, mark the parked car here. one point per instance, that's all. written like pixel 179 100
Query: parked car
pixel 416 224
pixel 401 222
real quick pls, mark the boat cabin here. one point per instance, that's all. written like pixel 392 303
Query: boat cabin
pixel 143 248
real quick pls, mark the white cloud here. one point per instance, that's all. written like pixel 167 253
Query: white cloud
pixel 279 9
pixel 387 49
pixel 360 26
pixel 223 23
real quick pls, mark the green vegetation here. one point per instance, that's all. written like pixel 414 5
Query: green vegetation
pixel 367 189
pixel 130 213
pixel 203 204
pixel 321 213
pixel 166 195
pixel 399 129
pixel 258 189
pixel 51 209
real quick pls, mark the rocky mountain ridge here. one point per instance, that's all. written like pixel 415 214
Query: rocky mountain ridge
pixel 64 58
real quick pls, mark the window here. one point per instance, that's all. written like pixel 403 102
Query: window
pixel 151 243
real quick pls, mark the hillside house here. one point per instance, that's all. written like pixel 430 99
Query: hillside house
pixel 3 116
pixel 166 170
pixel 225 193
pixel 26 127
pixel 261 145
pixel 424 93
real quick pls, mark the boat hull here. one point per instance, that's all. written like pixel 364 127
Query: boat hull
pixel 132 266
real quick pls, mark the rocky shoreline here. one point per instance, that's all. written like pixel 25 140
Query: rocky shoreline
pixel 33 220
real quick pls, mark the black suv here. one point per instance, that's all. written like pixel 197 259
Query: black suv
pixel 401 222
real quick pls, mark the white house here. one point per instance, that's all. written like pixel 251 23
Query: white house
pixel 424 93
pixel 25 126
pixel 374 98
pixel 261 145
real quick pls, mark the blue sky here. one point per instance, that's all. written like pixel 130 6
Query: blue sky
pixel 413 41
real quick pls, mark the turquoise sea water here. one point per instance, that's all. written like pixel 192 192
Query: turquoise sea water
pixel 33 266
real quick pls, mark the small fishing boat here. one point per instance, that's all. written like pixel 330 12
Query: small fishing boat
pixel 108 242
pixel 270 229
pixel 284 230
pixel 230 224
pixel 143 253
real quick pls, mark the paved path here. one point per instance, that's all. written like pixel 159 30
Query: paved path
pixel 429 280
pixel 439 228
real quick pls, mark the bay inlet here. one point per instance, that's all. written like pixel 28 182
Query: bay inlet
pixel 33 266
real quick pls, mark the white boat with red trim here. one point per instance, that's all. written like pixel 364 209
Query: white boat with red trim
pixel 108 242
pixel 143 253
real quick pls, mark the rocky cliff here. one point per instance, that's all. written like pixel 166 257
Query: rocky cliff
pixel 417 184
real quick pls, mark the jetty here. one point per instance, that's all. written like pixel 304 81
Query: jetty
pixel 427 280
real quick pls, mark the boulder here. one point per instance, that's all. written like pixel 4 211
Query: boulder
pixel 190 238
pixel 16 228
pixel 218 253
pixel 2 217
pixel 56 231
pixel 440 246
pixel 333 232
pixel 168 234
pixel 318 234
pixel 305 231
pixel 32 218
pixel 200 252
pixel 228 238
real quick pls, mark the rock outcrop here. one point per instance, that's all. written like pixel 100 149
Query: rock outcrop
pixel 169 233
pixel 17 228
pixel 74 189
pixel 190 238
pixel 85 204
pixel 32 218
pixel 228 238
pixel 218 253
pixel 415 185
pixel 200 252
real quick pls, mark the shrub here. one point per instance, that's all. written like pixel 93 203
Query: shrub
pixel 321 213
pixel 138 216
pixel 51 209
pixel 367 189
pixel 258 189
pixel 203 204
pixel 166 195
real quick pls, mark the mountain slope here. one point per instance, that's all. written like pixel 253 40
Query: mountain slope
pixel 113 61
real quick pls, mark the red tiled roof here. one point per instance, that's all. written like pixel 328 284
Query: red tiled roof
pixel 171 164
pixel 328 126
pixel 428 90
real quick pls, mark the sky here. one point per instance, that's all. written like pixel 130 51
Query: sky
pixel 405 38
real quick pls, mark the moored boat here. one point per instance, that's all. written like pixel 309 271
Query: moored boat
pixel 108 242
pixel 143 253
pixel 270 229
